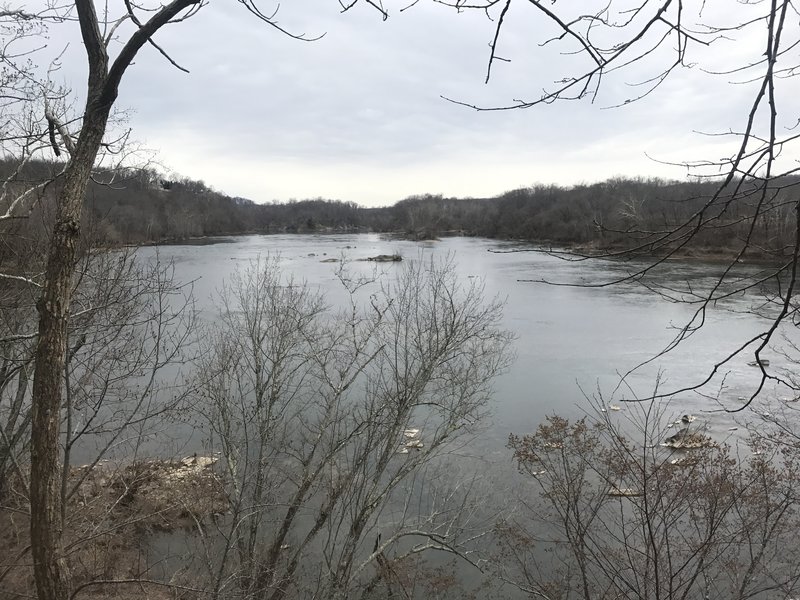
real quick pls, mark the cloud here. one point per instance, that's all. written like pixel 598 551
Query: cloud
pixel 358 115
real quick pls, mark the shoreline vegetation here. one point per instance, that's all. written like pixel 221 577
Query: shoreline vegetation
pixel 644 217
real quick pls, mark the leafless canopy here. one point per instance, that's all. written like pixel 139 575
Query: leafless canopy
pixel 617 53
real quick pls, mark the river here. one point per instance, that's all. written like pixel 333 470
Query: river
pixel 575 338
pixel 572 340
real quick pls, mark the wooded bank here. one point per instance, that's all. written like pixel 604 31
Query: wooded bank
pixel 142 207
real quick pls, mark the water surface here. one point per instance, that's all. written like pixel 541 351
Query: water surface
pixel 571 341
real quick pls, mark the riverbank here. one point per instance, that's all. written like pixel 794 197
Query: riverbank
pixel 113 510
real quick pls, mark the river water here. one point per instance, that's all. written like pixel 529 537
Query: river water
pixel 575 338
pixel 572 340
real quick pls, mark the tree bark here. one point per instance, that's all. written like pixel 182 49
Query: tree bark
pixel 53 307
pixel 52 582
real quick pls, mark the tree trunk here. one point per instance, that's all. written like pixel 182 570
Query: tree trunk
pixel 49 571
pixel 102 89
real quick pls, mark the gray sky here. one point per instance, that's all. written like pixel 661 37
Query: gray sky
pixel 358 115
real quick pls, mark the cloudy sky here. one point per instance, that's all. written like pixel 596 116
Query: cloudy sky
pixel 358 115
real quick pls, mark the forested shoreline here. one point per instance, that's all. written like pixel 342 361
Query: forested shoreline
pixel 143 207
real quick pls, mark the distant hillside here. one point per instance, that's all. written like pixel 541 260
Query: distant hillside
pixel 141 206
pixel 144 207
pixel 650 215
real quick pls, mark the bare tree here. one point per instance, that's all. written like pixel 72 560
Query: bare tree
pixel 16 364
pixel 328 422
pixel 756 193
pixel 621 516
pixel 128 339
pixel 76 142
pixel 615 54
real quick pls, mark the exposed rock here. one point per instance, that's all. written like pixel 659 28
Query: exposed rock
pixel 623 492
pixel 686 460
pixel 688 440
pixel 385 258
pixel 684 420
pixel 412 441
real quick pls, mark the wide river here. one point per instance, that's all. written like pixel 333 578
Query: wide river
pixel 571 341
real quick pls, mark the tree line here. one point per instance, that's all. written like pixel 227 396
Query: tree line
pixel 141 206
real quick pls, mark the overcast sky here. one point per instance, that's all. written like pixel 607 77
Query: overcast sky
pixel 358 114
